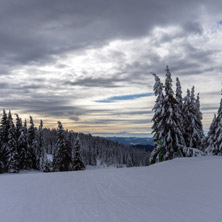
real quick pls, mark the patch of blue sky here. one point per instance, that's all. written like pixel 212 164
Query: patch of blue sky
pixel 124 97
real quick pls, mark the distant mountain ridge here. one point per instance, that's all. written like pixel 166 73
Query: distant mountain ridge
pixel 132 141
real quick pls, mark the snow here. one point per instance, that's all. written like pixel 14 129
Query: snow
pixel 49 157
pixel 180 190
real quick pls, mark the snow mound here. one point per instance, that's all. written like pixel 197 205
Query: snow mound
pixel 181 190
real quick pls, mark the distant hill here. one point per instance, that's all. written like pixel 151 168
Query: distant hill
pixel 132 141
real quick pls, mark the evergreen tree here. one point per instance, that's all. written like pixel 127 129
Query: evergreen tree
pixel 63 156
pixel 157 118
pixel 187 118
pixel 192 120
pixel 179 105
pixel 214 138
pixel 170 129
pixel 18 130
pixel 77 160
pixel 3 142
pixel 13 157
pixel 31 143
pixel 38 145
pixel 4 128
pixel 179 97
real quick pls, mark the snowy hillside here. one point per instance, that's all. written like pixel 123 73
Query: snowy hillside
pixel 180 190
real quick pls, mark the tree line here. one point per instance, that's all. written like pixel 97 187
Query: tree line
pixel 177 122
pixel 25 147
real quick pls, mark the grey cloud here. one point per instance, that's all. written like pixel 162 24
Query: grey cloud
pixel 35 31
pixel 96 82
pixel 45 106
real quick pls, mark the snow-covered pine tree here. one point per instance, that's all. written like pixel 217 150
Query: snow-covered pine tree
pixel 157 118
pixel 199 117
pixel 38 145
pixel 31 142
pixel 186 118
pixel 217 148
pixel 77 160
pixel 3 142
pixel 4 128
pixel 25 153
pixel 62 158
pixel 179 99
pixel 170 129
pixel 214 138
pixel 211 135
pixel 13 157
pixel 18 129
pixel 192 120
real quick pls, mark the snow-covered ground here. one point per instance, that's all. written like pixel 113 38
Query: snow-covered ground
pixel 181 190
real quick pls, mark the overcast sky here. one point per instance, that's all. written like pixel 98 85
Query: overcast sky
pixel 87 63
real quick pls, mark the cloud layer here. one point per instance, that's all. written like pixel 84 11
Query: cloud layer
pixel 59 58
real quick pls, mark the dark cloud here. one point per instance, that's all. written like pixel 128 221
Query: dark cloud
pixel 35 31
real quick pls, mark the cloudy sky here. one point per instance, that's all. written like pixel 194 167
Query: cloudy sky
pixel 87 63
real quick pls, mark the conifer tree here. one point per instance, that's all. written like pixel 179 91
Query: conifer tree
pixel 179 105
pixel 192 120
pixel 4 127
pixel 25 152
pixel 158 117
pixel 214 138
pixel 18 130
pixel 63 156
pixel 38 145
pixel 170 129
pixel 3 142
pixel 13 157
pixel 179 97
pixel 77 160
pixel 31 142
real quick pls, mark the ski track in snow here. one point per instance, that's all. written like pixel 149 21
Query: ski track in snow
pixel 181 190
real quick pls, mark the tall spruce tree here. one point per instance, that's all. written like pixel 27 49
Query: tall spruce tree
pixel 214 138
pixel 31 143
pixel 62 158
pixel 4 128
pixel 77 160
pixel 13 157
pixel 211 135
pixel 179 99
pixel 186 118
pixel 157 118
pixel 170 129
pixel 18 130
pixel 25 152
pixel 38 145
pixel 192 120
pixel 3 142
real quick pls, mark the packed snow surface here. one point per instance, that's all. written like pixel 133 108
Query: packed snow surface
pixel 186 189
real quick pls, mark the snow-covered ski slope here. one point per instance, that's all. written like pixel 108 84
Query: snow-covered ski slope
pixel 187 189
